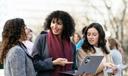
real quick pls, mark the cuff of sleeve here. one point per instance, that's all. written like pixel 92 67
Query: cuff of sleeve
pixel 50 63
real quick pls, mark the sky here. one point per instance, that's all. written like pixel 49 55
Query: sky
pixel 35 11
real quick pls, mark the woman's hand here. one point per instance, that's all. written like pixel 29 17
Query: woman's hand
pixel 112 67
pixel 109 65
pixel 61 61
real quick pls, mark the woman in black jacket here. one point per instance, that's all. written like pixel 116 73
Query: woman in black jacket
pixel 53 52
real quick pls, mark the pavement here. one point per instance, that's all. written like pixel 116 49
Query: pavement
pixel 1 72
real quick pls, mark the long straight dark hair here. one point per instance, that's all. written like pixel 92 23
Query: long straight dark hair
pixel 101 41
pixel 13 31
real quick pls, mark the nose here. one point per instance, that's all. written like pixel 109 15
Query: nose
pixel 91 36
pixel 55 25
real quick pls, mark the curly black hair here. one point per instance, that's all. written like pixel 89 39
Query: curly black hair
pixel 67 20
pixel 13 31
pixel 101 41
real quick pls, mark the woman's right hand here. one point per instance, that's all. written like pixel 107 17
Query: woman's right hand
pixel 112 67
pixel 61 61
pixel 109 65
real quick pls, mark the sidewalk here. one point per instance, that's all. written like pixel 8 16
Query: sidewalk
pixel 1 72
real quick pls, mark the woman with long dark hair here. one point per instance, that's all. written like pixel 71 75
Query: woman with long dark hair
pixel 13 53
pixel 95 44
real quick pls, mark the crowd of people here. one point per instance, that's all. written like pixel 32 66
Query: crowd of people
pixel 56 49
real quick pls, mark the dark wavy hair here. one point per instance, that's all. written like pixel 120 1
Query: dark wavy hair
pixel 67 20
pixel 13 31
pixel 101 41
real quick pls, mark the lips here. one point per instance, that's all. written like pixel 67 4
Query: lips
pixel 55 30
pixel 91 41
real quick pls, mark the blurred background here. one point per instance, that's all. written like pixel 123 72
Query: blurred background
pixel 112 14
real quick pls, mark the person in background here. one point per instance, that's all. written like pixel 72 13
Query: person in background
pixel 13 52
pixel 76 38
pixel 95 45
pixel 29 33
pixel 28 42
pixel 116 55
pixel 54 52
pixel 120 48
pixel 79 44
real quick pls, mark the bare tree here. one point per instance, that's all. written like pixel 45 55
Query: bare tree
pixel 117 22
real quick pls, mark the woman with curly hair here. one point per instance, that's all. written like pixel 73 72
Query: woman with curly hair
pixel 13 52
pixel 53 52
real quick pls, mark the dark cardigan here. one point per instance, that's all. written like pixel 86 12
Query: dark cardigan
pixel 42 62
